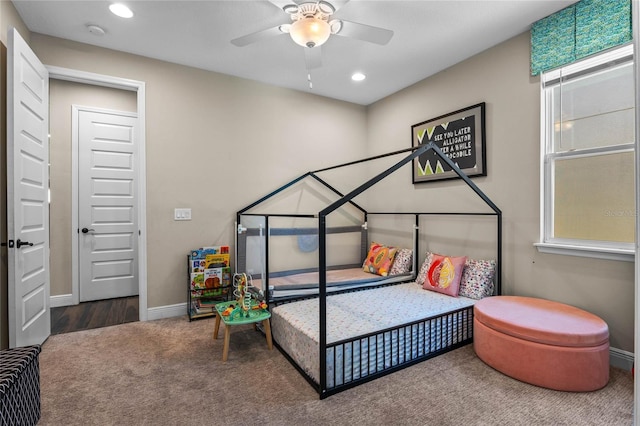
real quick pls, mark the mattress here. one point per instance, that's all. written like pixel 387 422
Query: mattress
pixel 306 283
pixel 376 314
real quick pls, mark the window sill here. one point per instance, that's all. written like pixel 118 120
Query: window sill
pixel 625 255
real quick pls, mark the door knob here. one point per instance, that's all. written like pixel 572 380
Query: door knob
pixel 85 230
pixel 22 243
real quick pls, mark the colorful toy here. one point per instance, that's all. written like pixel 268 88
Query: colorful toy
pixel 249 298
pixel 228 311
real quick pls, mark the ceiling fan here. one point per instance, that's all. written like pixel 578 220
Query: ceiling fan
pixel 312 25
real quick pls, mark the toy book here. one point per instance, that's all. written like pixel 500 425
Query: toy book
pixel 216 261
pixel 197 280
pixel 217 277
pixel 197 265
pixel 202 252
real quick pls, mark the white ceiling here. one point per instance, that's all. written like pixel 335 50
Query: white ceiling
pixel 429 36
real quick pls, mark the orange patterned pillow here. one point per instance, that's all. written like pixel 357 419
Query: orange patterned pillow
pixel 379 259
pixel 444 274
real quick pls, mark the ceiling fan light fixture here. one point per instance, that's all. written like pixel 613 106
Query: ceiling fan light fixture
pixel 335 25
pixel 310 32
pixel 326 7
pixel 291 8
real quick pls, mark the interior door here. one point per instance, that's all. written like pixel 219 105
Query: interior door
pixel 107 200
pixel 27 194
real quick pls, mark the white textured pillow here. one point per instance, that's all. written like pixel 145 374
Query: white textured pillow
pixel 402 262
pixel 424 269
pixel 477 278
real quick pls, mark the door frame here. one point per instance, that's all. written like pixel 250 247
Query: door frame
pixel 83 77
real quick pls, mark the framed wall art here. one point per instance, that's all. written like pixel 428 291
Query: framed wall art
pixel 460 135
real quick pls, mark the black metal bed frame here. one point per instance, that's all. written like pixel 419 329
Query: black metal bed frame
pixel 457 324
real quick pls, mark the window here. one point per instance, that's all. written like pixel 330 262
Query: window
pixel 588 139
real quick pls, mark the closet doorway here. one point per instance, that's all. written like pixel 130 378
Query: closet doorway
pixel 96 314
pixel 94 189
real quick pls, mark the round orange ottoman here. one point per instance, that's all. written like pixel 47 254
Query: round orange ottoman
pixel 542 342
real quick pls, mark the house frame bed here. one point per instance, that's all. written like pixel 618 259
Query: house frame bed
pixel 413 341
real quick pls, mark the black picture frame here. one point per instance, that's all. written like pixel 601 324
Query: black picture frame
pixel 460 135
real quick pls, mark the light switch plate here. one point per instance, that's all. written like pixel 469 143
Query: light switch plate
pixel 182 214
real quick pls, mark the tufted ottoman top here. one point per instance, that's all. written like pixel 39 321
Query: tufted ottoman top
pixel 542 321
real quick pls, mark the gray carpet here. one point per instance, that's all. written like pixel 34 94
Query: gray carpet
pixel 170 372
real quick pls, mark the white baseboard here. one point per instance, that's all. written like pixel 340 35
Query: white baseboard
pixel 621 359
pixel 61 300
pixel 168 311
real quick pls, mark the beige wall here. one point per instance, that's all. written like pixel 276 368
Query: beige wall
pixel 62 95
pixel 215 143
pixel 500 77
pixel 9 18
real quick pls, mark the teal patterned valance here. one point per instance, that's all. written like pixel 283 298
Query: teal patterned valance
pixel 580 30
pixel 553 41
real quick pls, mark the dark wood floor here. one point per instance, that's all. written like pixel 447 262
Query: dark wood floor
pixel 87 315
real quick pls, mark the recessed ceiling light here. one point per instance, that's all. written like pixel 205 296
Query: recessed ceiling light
pixel 358 76
pixel 120 10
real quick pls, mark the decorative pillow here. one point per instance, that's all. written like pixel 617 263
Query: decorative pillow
pixel 402 262
pixel 477 278
pixel 379 259
pixel 444 274
pixel 422 275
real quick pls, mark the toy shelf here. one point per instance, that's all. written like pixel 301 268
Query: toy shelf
pixel 209 276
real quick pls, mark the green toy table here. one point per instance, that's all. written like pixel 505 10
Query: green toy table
pixel 255 316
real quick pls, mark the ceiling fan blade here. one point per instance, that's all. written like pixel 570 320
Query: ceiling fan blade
pixel 313 57
pixel 365 32
pixel 281 3
pixel 257 36
pixel 337 4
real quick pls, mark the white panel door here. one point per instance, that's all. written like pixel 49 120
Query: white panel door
pixel 107 200
pixel 27 194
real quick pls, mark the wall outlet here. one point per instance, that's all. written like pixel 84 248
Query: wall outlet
pixel 182 214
